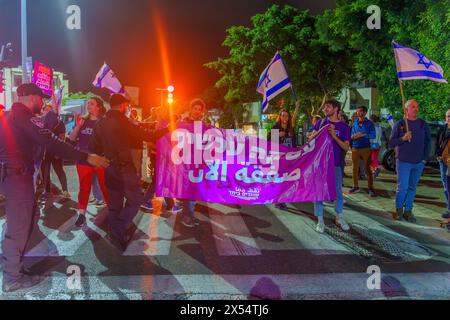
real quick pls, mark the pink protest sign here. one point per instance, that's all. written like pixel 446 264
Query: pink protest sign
pixel 43 78
pixel 243 172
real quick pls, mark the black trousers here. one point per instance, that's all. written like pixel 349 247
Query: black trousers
pixel 125 196
pixel 58 165
pixel 20 212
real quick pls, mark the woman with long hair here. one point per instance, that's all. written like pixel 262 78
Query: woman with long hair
pixel 82 134
pixel 285 125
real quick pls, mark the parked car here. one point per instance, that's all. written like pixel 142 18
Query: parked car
pixel 387 154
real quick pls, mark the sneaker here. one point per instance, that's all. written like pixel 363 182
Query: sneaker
pixel 340 222
pixel 24 282
pixel 147 206
pixel 66 195
pixel 188 222
pixel 174 209
pixel 372 193
pixel 320 228
pixel 80 221
pixel 92 200
pixel 354 190
pixel 446 216
pixel 408 216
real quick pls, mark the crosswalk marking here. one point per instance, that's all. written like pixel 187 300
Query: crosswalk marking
pixel 234 286
pixel 156 238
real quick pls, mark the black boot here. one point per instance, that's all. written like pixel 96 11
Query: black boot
pixel 409 217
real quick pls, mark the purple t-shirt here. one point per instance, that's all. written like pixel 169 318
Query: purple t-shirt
pixel 85 136
pixel 342 131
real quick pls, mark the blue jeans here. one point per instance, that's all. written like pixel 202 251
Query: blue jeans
pixel 188 208
pixel 443 168
pixel 339 202
pixel 408 176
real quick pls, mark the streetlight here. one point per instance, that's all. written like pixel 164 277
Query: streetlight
pixel 170 90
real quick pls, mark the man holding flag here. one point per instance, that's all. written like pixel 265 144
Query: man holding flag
pixel 411 136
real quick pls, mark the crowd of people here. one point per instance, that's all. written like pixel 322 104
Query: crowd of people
pixel 411 139
pixel 107 146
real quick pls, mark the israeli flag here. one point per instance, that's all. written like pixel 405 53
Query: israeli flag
pixel 273 81
pixel 107 79
pixel 412 65
pixel 58 99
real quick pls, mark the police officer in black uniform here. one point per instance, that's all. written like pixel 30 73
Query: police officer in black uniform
pixel 114 137
pixel 20 133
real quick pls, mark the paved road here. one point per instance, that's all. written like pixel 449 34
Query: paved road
pixel 248 252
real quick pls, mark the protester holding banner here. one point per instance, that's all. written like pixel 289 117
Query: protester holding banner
pixel 82 133
pixel 156 121
pixel 197 109
pixel 412 150
pixel 340 133
pixel 442 142
pixel 56 126
pixel 285 125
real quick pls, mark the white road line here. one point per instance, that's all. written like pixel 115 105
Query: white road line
pixel 156 238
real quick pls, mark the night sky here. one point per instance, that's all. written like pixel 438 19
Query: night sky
pixel 130 35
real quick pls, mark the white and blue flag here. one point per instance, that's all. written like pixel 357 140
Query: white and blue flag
pixel 413 65
pixel 106 78
pixel 273 81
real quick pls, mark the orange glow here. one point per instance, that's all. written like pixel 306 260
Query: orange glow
pixel 161 33
pixel 162 43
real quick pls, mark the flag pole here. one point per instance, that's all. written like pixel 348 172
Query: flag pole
pixel 293 92
pixel 404 104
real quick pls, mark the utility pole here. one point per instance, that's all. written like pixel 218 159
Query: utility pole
pixel 24 41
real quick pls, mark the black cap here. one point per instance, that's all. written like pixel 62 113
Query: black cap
pixel 30 89
pixel 117 99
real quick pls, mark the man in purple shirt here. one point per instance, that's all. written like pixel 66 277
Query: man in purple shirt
pixel 340 132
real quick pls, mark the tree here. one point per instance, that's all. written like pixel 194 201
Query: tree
pixel 315 70
pixel 423 26
pixel 78 96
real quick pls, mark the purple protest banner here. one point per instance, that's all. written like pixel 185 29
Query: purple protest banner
pixel 245 173
pixel 43 78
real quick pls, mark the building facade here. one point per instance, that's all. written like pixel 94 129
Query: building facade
pixel 13 79
pixel 360 94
